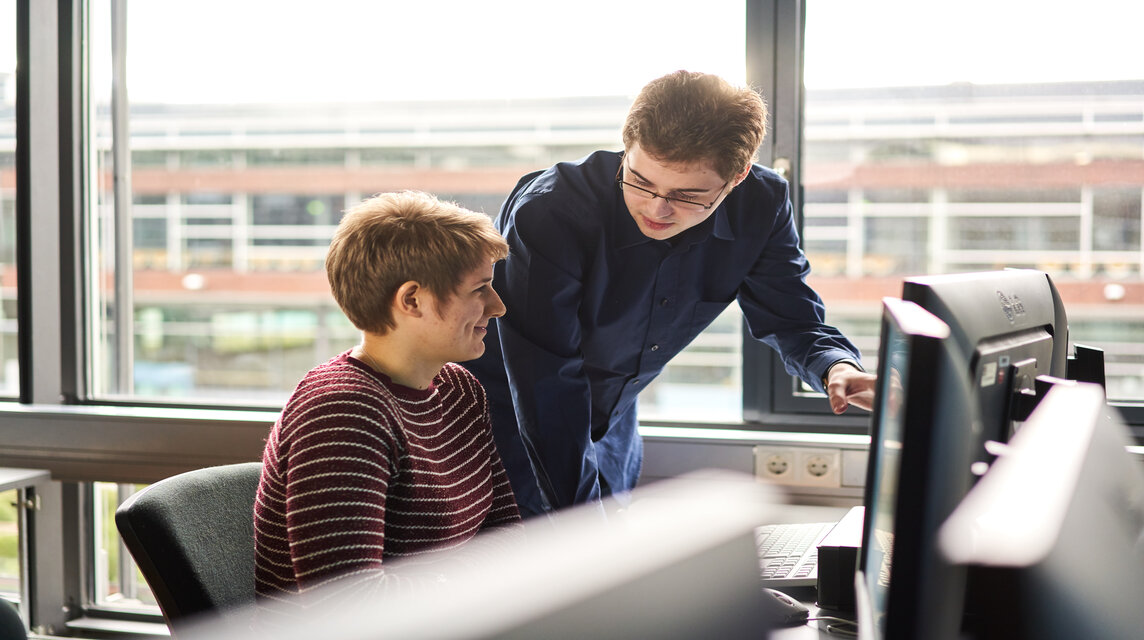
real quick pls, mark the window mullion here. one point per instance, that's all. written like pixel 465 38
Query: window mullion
pixel 121 171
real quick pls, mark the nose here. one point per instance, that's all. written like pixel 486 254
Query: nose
pixel 660 208
pixel 494 308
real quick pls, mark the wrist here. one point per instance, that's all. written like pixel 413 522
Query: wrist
pixel 845 361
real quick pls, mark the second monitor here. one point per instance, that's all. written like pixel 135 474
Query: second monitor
pixel 1011 327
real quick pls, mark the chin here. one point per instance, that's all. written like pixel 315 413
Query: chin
pixel 666 234
pixel 661 234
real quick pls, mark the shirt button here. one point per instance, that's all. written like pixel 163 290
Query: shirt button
pixel 655 347
pixel 636 381
pixel 664 302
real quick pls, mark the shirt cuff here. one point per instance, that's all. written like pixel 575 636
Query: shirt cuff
pixel 826 374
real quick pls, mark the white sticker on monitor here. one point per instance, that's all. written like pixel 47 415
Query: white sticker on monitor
pixel 988 374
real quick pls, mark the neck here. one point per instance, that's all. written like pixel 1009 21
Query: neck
pixel 395 359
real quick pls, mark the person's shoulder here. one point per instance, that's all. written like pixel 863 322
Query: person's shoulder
pixel 332 386
pixel 453 375
pixel 767 180
pixel 339 369
pixel 763 190
pixel 588 179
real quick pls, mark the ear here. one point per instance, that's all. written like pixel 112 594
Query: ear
pixel 741 177
pixel 409 300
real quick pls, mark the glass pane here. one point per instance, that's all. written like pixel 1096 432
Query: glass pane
pixel 118 581
pixel 9 360
pixel 246 152
pixel 938 142
pixel 9 545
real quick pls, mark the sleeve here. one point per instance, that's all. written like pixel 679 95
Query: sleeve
pixel 784 312
pixel 336 485
pixel 541 284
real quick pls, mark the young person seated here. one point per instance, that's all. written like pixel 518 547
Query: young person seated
pixel 386 451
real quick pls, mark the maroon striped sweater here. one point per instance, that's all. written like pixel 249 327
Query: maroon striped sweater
pixel 358 469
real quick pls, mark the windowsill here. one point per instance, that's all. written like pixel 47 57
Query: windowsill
pixel 730 435
pixel 107 627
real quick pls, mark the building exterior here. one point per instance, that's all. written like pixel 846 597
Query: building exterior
pixel 233 206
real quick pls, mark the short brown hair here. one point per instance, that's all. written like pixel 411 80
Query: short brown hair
pixel 393 238
pixel 687 117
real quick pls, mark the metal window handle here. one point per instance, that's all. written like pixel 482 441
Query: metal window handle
pixel 31 504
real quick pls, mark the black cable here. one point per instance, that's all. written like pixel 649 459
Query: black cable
pixel 838 625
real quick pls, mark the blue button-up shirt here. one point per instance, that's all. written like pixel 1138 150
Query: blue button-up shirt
pixel 595 309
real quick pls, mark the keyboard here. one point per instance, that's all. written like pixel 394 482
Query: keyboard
pixel 788 553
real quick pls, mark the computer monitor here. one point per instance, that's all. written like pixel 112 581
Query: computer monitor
pixel 918 470
pixel 1052 532
pixel 679 563
pixel 1012 327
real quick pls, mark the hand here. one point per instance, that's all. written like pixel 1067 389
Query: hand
pixel 847 386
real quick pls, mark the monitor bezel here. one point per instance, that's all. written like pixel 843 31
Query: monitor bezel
pixel 924 593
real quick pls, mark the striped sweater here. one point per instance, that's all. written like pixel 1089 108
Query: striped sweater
pixel 358 469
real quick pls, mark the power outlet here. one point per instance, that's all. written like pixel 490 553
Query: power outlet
pixel 819 467
pixel 776 465
pixel 799 466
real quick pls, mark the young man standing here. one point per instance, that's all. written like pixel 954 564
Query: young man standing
pixel 617 261
pixel 386 450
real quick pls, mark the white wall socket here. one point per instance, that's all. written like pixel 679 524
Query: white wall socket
pixel 799 466
pixel 777 465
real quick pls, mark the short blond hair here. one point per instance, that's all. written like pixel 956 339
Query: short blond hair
pixel 393 238
pixel 687 117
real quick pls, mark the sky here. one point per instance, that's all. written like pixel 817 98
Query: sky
pixel 855 43
pixel 289 50
pixel 376 50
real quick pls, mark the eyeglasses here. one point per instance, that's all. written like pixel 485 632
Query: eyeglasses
pixel 679 204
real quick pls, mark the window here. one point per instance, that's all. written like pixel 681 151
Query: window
pixel 1010 152
pixel 235 183
pixel 232 188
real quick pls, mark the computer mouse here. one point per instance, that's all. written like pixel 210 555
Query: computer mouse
pixel 782 609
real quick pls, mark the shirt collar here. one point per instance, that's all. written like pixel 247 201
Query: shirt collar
pixel 628 233
pixel 723 229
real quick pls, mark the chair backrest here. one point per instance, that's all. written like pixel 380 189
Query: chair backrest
pixel 192 536
pixel 11 625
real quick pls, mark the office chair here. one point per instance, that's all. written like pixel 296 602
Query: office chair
pixel 11 626
pixel 192 536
